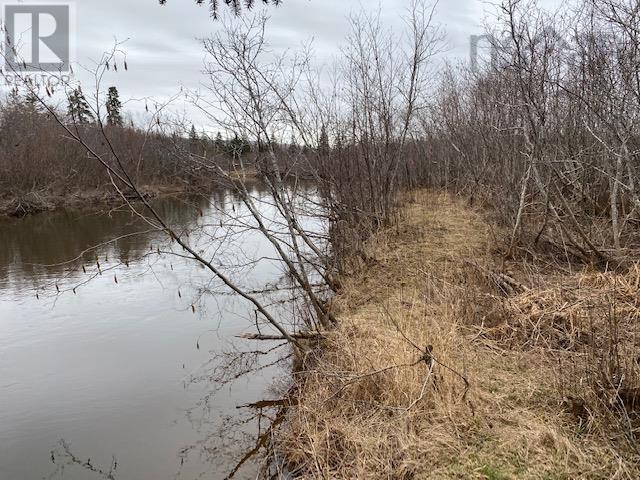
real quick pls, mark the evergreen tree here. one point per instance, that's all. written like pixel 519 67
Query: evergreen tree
pixel 324 141
pixel 261 145
pixel 238 146
pixel 234 5
pixel 193 135
pixel 31 101
pixel 114 107
pixel 14 96
pixel 21 111
pixel 78 109
pixel 220 143
pixel 293 145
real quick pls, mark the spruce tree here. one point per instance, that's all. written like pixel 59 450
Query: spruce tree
pixel 324 141
pixel 79 110
pixel 234 5
pixel 193 135
pixel 31 101
pixel 238 147
pixel 220 143
pixel 114 107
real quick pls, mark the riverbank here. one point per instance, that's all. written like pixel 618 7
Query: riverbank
pixel 94 199
pixel 448 362
pixel 46 200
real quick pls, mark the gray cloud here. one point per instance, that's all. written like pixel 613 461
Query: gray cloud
pixel 164 53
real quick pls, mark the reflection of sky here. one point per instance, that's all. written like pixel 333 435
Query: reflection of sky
pixel 105 368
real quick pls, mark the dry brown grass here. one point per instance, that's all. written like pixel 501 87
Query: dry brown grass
pixel 588 323
pixel 371 405
pixel 567 311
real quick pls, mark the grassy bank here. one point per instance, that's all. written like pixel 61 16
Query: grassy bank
pixel 449 363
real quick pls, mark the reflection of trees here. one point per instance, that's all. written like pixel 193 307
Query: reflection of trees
pixel 64 459
pixel 59 237
pixel 38 246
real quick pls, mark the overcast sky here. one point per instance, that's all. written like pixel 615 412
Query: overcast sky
pixel 163 51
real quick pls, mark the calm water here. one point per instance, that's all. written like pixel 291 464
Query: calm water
pixel 110 369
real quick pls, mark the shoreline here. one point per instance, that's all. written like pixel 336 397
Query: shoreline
pixel 48 200
pixel 430 372
pixel 33 203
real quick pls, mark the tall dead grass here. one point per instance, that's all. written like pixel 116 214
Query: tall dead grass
pixel 587 323
pixel 422 377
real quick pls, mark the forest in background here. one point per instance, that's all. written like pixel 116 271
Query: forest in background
pixel 42 167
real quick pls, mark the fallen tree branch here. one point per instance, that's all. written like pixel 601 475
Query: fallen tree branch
pixel 283 402
pixel 297 336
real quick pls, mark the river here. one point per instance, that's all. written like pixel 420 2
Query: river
pixel 112 354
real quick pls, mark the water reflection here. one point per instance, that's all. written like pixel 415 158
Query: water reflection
pixel 109 369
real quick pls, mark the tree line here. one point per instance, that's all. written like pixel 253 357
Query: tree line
pixel 38 159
